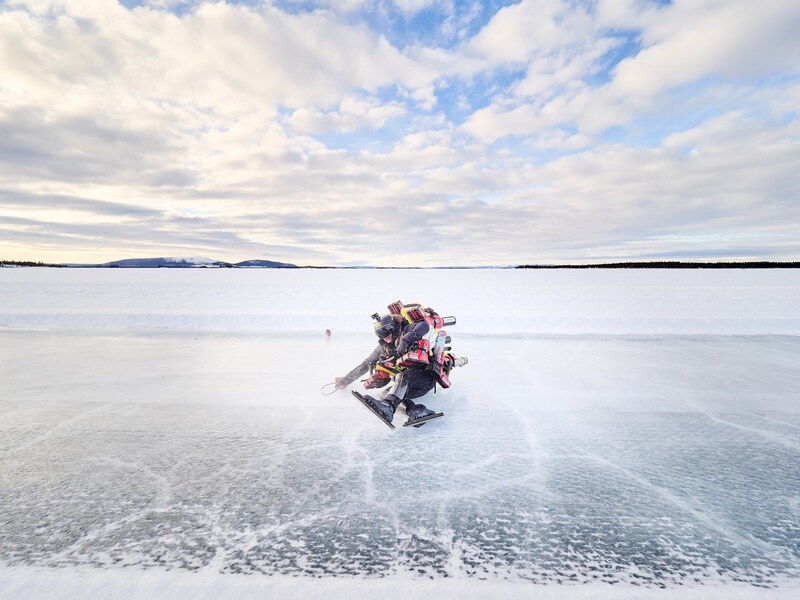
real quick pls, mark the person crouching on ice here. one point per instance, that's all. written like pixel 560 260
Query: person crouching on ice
pixel 396 337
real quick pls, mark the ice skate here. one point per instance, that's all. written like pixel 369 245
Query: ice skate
pixel 382 409
pixel 419 415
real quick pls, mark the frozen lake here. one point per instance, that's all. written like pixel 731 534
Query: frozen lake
pixel 615 431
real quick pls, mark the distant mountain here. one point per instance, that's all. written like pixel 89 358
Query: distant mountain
pixel 166 262
pixel 264 264
pixel 192 263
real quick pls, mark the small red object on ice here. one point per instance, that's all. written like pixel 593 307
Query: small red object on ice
pixel 328 332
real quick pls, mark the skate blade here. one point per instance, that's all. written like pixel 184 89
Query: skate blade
pixel 374 410
pixel 421 420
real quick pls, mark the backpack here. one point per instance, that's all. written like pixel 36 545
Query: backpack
pixel 431 349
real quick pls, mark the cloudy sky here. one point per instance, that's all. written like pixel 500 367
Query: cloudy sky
pixel 400 132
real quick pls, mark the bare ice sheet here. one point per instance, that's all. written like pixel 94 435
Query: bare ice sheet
pixel 659 461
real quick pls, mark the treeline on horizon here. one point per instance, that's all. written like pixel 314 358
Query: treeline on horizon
pixel 674 264
pixel 663 264
pixel 27 263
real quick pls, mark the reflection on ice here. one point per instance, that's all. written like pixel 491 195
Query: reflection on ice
pixel 658 461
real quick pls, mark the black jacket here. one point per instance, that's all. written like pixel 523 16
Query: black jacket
pixel 409 335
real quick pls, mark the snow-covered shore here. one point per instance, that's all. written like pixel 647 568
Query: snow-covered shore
pixel 623 301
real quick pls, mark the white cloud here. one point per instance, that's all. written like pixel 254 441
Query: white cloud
pixel 411 7
pixel 221 56
pixel 522 31
pixel 553 74
pixel 624 14
pixel 559 140
pixel 697 39
pixel 353 114
pixel 685 43
pixel 406 7
pixel 558 43
pixel 459 19
pixel 494 122
pixel 137 96
pixel 419 153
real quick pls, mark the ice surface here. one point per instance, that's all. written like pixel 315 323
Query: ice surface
pixel 620 432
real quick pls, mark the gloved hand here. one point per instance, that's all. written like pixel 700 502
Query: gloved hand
pixel 377 380
pixel 339 382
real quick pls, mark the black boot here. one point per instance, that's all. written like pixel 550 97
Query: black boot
pixel 417 412
pixel 387 406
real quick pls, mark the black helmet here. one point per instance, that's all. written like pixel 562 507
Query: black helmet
pixel 385 326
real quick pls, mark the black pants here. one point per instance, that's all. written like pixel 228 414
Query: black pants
pixel 420 382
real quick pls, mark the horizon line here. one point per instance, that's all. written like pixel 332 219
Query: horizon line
pixel 636 263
